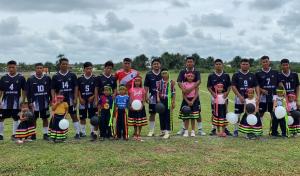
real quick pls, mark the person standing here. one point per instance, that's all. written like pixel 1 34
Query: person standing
pixel 126 75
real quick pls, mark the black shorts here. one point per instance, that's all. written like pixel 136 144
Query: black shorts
pixel 8 113
pixel 43 114
pixel 152 108
pixel 265 107
pixel 72 110
pixel 87 113
pixel 239 108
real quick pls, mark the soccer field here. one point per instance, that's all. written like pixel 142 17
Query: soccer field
pixel 205 155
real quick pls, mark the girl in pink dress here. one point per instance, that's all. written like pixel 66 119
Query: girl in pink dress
pixel 137 118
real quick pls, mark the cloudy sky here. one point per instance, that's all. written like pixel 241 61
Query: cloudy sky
pixel 99 30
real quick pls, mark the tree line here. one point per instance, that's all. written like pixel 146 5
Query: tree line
pixel 173 61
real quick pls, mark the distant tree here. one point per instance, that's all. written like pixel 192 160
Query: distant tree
pixel 140 62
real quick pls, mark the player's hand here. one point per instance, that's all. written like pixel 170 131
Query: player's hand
pixel 91 99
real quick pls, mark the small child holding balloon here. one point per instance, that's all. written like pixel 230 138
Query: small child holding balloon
pixel 59 112
pixel 254 130
pixel 137 113
pixel 220 110
pixel 291 107
pixel 26 128
pixel 279 119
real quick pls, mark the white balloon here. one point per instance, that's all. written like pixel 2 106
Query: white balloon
pixel 280 112
pixel 136 105
pixel 232 118
pixel 251 119
pixel 290 120
pixel 63 124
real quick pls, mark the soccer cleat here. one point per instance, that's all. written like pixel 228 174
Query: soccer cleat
pixel 150 134
pixel 213 132
pixel 77 136
pixel 1 138
pixel 201 132
pixel 186 133
pixel 180 132
pixel 193 133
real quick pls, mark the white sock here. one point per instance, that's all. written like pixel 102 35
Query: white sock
pixel 92 128
pixel 200 125
pixel 77 127
pixel 82 127
pixel 236 127
pixel 45 130
pixel 15 126
pixel 152 125
pixel 1 128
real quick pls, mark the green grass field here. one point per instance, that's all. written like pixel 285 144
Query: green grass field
pixel 154 156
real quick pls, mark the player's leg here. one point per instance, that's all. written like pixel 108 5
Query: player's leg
pixel 14 114
pixel 83 117
pixel 151 120
pixel 72 111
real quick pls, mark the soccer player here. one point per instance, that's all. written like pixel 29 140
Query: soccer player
pixel 12 87
pixel 86 89
pixel 150 87
pixel 126 75
pixel 190 66
pixel 267 79
pixel 38 89
pixel 65 82
pixel 215 78
pixel 241 81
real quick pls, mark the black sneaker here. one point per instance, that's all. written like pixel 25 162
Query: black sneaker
pixel 45 137
pixel 82 134
pixel 33 137
pixel 227 132
pixel 77 136
pixel 93 137
pixel 213 132
pixel 13 137
pixel 1 137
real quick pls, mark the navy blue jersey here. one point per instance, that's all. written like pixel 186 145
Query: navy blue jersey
pixel 290 81
pixel 103 80
pixel 268 81
pixel 11 87
pixel 38 91
pixel 243 82
pixel 150 82
pixel 65 84
pixel 86 86
pixel 181 77
pixel 214 79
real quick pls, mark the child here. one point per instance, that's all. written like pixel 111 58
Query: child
pixel 26 128
pixel 122 101
pixel 190 100
pixel 106 111
pixel 251 131
pixel 220 110
pixel 137 118
pixel 59 110
pixel 279 100
pixel 166 95
pixel 292 106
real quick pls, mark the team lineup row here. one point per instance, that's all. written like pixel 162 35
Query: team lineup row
pixel 101 100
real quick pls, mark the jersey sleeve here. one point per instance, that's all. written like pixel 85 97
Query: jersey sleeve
pixel 255 81
pixel 198 76
pixel 28 90
pixel 147 81
pixel 234 80
pixel 114 85
pixel 209 83
pixel 180 77
pixel 54 84
pixel 74 79
pixel 296 79
pixel 23 83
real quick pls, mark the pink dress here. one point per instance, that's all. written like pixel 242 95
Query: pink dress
pixel 187 85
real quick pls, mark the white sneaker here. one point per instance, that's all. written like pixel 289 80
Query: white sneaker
pixel 166 136
pixel 19 141
pixel 186 133
pixel 180 132
pixel 201 132
pixel 193 133
pixel 162 133
pixel 150 134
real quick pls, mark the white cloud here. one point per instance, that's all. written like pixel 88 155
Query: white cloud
pixel 175 31
pixel 212 20
pixel 10 26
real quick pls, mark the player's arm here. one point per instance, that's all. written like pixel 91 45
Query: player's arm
pixel 237 93
pixel 76 91
pixel 23 89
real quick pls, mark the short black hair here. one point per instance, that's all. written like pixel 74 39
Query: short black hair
pixel 218 60
pixel 189 58
pixel 245 60
pixel 284 61
pixel 38 64
pixel 164 69
pixel 127 60
pixel 155 60
pixel 264 58
pixel 11 62
pixel 87 64
pixel 109 64
pixel 63 59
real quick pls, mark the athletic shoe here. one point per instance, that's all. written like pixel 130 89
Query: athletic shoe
pixel 235 133
pixel 180 132
pixel 213 132
pixel 166 136
pixel 151 133
pixel 1 138
pixel 162 133
pixel 201 132
pixel 45 137
pixel 227 132
pixel 186 133
pixel 193 133
pixel 77 136
pixel 82 134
